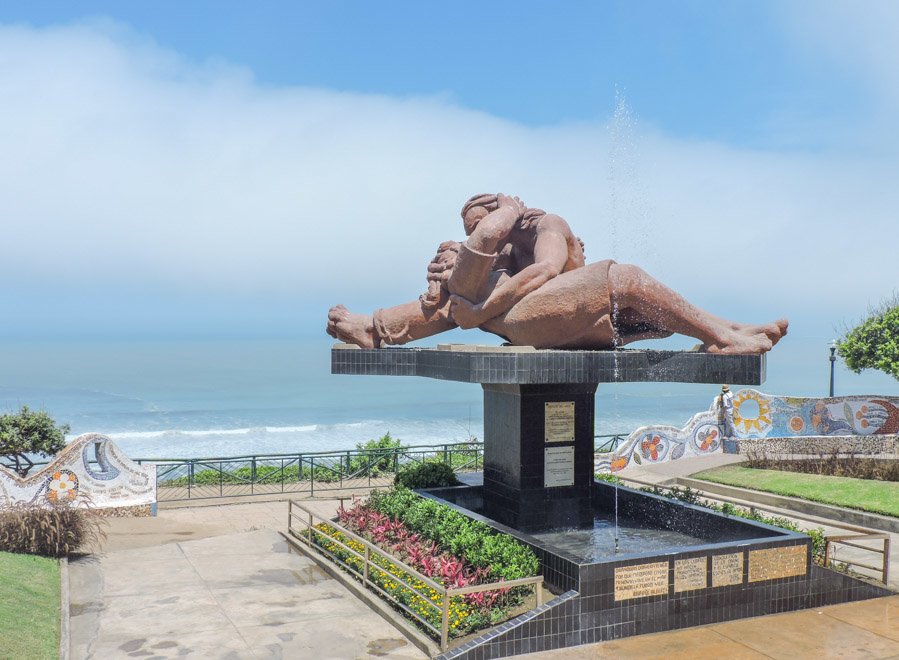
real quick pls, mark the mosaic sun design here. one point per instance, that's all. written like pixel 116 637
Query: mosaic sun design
pixel 759 423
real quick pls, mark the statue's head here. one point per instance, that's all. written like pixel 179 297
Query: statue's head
pixel 475 209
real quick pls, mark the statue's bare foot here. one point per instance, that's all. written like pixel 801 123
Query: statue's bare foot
pixel 351 328
pixel 773 331
pixel 741 342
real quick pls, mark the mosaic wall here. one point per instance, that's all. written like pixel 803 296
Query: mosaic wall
pixel 756 416
pixel 90 469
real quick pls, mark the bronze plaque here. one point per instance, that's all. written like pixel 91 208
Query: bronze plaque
pixel 773 563
pixel 727 569
pixel 641 580
pixel 690 574
pixel 558 421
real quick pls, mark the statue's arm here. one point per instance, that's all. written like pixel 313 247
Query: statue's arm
pixel 550 256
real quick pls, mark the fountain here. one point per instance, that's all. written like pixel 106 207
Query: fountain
pixel 623 562
pixel 665 564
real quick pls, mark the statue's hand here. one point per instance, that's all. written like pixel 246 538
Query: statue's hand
pixel 464 312
pixel 442 264
pixel 513 203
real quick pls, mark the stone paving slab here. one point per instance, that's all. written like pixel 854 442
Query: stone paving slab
pixel 866 629
pixel 239 595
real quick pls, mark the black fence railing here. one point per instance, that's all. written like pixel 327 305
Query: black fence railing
pixel 605 443
pixel 306 473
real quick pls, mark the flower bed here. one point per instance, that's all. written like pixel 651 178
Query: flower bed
pixel 474 541
pixel 467 613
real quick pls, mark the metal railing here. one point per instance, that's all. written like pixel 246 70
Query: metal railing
pixel 851 540
pixel 608 442
pixel 305 473
pixel 302 526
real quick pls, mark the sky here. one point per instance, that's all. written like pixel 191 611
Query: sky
pixel 234 169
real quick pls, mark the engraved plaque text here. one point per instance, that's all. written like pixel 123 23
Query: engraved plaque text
pixel 690 574
pixel 727 569
pixel 773 563
pixel 641 580
pixel 558 421
pixel 558 467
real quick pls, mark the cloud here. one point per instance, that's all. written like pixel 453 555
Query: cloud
pixel 126 166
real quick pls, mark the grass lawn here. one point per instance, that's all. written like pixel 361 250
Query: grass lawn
pixel 29 607
pixel 865 494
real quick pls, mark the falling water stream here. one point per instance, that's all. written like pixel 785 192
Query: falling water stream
pixel 625 208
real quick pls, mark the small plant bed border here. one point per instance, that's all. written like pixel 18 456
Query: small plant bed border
pixel 445 595
pixel 881 497
pixel 833 465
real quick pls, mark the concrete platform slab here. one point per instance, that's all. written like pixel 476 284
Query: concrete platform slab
pixel 241 595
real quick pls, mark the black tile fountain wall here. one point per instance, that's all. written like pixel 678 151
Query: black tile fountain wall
pixel 760 570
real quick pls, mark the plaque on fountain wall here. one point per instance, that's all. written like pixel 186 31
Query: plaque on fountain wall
pixel 773 563
pixel 641 580
pixel 558 467
pixel 558 421
pixel 690 574
pixel 727 569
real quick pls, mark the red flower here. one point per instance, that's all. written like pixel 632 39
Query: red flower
pixel 651 447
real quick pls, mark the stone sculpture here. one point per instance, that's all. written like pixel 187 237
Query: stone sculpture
pixel 521 274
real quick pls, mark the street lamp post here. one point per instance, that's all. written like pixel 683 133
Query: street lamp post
pixel 833 359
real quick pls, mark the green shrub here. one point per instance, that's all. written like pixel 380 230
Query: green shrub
pixel 429 474
pixel 55 531
pixel 608 478
pixel 470 539
pixel 381 457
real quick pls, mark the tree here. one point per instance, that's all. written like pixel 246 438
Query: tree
pixel 29 432
pixel 874 343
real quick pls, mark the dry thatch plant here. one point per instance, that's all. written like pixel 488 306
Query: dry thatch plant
pixel 55 531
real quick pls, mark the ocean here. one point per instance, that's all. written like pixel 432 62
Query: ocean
pixel 211 398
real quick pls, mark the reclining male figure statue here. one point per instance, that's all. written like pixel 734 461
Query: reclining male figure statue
pixel 521 275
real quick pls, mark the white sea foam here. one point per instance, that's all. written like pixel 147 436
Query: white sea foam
pixel 216 432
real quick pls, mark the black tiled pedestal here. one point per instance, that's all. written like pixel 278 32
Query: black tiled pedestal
pixel 515 488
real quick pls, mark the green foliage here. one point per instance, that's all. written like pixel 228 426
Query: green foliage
pixel 265 474
pixel 686 494
pixel 607 477
pixel 56 531
pixel 419 598
pixel 833 464
pixel 381 456
pixel 429 474
pixel 470 539
pixel 874 343
pixel 29 607
pixel 29 432
pixel 691 496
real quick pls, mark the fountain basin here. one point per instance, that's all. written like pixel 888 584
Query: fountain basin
pixel 678 565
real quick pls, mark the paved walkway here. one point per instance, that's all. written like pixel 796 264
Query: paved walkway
pixel 234 594
pixel 219 582
pixel 867 629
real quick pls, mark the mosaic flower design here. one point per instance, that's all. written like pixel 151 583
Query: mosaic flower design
pixel 653 447
pixel 707 439
pixel 62 487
